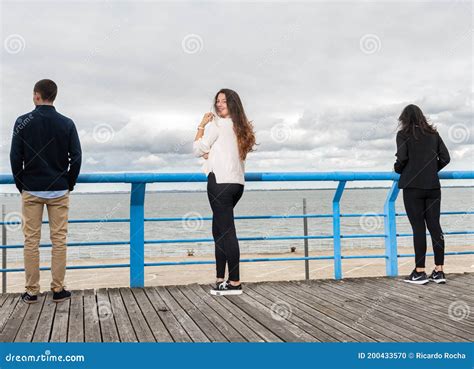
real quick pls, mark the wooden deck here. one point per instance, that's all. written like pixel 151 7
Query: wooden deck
pixel 360 310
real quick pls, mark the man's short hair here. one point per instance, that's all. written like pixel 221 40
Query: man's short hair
pixel 47 89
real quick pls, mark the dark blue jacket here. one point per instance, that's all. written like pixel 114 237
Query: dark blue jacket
pixel 45 153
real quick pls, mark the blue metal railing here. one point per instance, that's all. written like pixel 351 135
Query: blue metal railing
pixel 137 219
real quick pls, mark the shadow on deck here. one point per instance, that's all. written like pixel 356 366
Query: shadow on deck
pixel 361 310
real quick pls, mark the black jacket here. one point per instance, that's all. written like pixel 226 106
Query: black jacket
pixel 420 159
pixel 45 153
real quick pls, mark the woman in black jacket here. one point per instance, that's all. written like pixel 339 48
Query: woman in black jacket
pixel 421 153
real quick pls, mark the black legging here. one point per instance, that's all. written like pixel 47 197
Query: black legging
pixel 423 210
pixel 223 197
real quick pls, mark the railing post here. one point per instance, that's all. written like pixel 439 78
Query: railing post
pixel 390 224
pixel 137 235
pixel 306 253
pixel 4 251
pixel 336 224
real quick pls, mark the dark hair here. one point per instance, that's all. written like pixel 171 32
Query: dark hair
pixel 412 120
pixel 243 128
pixel 47 89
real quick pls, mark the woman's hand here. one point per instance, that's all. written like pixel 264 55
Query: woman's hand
pixel 205 156
pixel 206 119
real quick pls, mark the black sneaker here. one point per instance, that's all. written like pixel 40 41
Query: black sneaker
pixel 417 277
pixel 61 295
pixel 225 288
pixel 217 285
pixel 29 299
pixel 437 277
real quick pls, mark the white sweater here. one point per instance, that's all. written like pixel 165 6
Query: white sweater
pixel 220 142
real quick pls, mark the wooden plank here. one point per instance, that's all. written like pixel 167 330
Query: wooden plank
pixel 429 292
pixel 7 310
pixel 384 307
pixel 361 314
pixel 157 327
pixel 451 289
pixel 459 285
pixel 286 313
pixel 3 298
pixel 14 320
pixel 339 313
pixel 229 333
pixel 313 313
pixel 439 305
pixel 76 317
pixel 372 310
pixel 28 326
pixel 142 330
pixel 91 318
pixel 204 324
pixel 283 328
pixel 42 331
pixel 60 323
pixel 177 332
pixel 253 324
pixel 124 325
pixel 315 319
pixel 45 321
pixel 322 310
pixel 402 293
pixel 106 317
pixel 346 318
pixel 438 314
pixel 183 319
pixel 405 312
pixel 461 277
pixel 448 291
pixel 244 333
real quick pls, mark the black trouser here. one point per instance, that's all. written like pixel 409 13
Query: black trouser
pixel 223 197
pixel 423 210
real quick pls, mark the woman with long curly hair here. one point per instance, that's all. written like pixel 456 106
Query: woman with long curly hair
pixel 224 138
pixel 421 154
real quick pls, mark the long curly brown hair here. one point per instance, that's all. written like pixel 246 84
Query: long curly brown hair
pixel 412 120
pixel 243 128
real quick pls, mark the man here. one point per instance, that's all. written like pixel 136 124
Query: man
pixel 45 159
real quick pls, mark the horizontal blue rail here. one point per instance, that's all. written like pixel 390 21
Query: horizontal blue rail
pixel 244 260
pixel 240 217
pixel 249 177
pixel 206 240
pixel 137 219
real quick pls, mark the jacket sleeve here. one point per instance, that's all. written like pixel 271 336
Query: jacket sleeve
pixel 443 154
pixel 75 157
pixel 17 155
pixel 402 153
pixel 204 144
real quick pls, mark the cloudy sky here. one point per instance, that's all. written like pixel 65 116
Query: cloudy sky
pixel 323 82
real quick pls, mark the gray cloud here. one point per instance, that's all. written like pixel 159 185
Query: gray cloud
pixel 323 82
